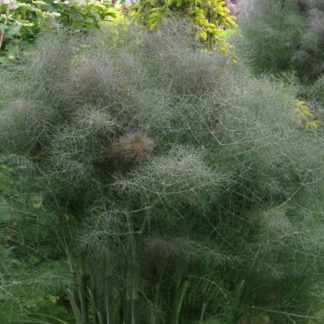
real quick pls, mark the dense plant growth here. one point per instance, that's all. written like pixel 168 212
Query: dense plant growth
pixel 210 17
pixel 285 35
pixel 157 183
pixel 22 20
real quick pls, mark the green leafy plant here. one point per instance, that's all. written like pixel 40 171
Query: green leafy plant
pixel 210 17
pixel 31 283
pixel 83 16
pixel 21 21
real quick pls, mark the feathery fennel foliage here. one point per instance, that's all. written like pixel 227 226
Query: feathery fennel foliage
pixel 284 35
pixel 171 186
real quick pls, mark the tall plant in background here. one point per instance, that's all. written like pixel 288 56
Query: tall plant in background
pixel 21 21
pixel 210 16
pixel 285 35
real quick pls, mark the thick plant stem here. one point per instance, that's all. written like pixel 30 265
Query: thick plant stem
pixel 82 289
pixel 109 303
pixel 76 312
pixel 131 297
pixel 239 291
pixel 131 316
pixel 202 314
pixel 2 34
pixel 103 290
pixel 156 302
pixel 1 38
pixel 180 293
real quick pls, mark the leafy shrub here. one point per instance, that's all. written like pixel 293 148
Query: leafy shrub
pixel 210 17
pixel 21 21
pixel 185 189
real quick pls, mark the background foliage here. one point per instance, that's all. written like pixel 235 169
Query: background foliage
pixel 211 17
pixel 21 21
pixel 285 35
